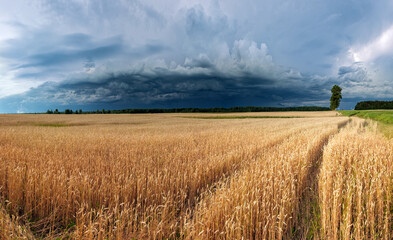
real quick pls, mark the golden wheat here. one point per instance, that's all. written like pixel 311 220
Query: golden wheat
pixel 10 227
pixel 262 201
pixel 356 184
pixel 170 176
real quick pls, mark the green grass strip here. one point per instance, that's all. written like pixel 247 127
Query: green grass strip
pixel 381 116
pixel 384 119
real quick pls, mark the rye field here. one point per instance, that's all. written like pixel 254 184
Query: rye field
pixel 291 175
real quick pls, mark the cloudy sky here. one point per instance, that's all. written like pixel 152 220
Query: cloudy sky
pixel 115 54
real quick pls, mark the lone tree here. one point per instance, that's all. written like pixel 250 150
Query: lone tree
pixel 335 98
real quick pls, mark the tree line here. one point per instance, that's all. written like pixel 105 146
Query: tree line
pixel 334 104
pixel 369 105
pixel 67 111
pixel 192 110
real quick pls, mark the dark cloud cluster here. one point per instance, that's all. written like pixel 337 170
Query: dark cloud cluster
pixel 198 82
pixel 143 54
pixel 354 75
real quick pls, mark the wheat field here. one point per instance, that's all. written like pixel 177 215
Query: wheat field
pixel 185 176
pixel 355 184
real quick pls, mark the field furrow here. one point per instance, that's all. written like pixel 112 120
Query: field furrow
pixel 263 201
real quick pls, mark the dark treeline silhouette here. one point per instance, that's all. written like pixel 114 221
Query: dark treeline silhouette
pixel 368 105
pixel 67 111
pixel 194 110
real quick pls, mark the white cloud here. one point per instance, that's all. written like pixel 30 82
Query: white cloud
pixel 10 85
pixel 378 47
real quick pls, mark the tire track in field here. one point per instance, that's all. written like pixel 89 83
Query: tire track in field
pixel 307 212
pixel 206 203
pixel 211 187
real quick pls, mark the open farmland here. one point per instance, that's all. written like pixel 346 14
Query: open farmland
pixel 194 176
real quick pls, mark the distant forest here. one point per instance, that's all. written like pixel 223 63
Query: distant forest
pixel 368 105
pixel 193 110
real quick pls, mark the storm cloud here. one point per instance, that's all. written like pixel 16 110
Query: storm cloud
pixel 134 54
pixel 248 76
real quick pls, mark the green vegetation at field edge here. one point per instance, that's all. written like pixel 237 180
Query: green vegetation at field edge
pixel 381 116
pixel 384 119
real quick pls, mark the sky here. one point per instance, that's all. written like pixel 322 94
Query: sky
pixel 116 54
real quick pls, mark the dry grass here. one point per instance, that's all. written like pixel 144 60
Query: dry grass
pixel 160 176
